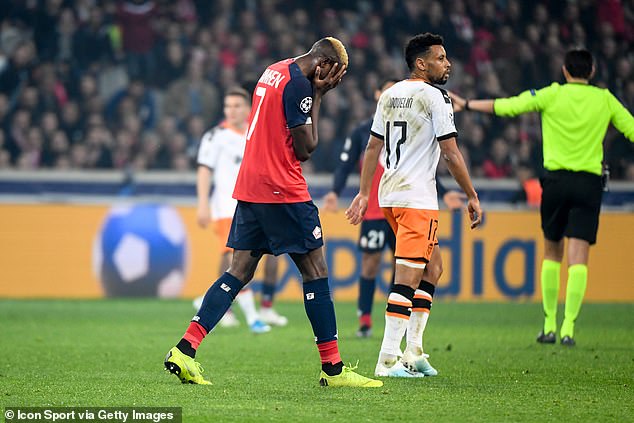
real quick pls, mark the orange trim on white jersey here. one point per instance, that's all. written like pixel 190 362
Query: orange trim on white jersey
pixel 224 124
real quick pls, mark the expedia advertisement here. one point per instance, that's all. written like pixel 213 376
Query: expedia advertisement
pixel 92 251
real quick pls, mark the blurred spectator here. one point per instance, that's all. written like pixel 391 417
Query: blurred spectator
pixel 53 94
pixel 172 64
pixel 474 141
pixel 17 73
pixel 92 41
pixel 173 153
pixel 70 121
pixel 611 13
pixel 65 40
pixel 5 160
pixel 462 27
pixel 196 126
pixel 498 165
pixel 57 148
pixel 480 62
pixel 135 99
pixel 123 151
pixel 148 155
pixel 192 95
pixel 31 151
pixel 135 18
pixel 530 191
pixel 4 110
pixel 167 129
pixel 17 133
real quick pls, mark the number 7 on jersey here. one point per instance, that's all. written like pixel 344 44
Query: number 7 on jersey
pixel 260 92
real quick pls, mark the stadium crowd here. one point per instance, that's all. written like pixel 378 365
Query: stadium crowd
pixel 102 84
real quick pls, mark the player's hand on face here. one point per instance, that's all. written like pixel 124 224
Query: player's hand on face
pixel 324 83
pixel 203 216
pixel 330 202
pixel 475 212
pixel 454 199
pixel 457 101
pixel 357 209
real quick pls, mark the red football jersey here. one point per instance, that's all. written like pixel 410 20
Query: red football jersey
pixel 374 211
pixel 270 172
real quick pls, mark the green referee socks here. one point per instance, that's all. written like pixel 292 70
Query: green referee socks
pixel 576 289
pixel 550 293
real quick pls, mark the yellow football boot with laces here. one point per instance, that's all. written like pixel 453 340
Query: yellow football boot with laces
pixel 348 377
pixel 185 368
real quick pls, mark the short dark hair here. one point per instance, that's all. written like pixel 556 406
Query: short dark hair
pixel 419 46
pixel 578 63
pixel 238 92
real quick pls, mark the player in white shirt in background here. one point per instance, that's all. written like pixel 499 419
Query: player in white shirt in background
pixel 219 158
pixel 414 127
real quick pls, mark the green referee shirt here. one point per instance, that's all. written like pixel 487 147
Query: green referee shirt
pixel 575 118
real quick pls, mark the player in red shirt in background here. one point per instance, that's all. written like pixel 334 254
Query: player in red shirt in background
pixel 275 213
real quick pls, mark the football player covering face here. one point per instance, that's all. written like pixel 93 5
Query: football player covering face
pixel 275 213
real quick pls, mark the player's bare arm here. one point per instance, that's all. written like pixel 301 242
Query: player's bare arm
pixel 359 205
pixel 454 199
pixel 304 141
pixel 330 202
pixel 305 138
pixel 204 177
pixel 456 165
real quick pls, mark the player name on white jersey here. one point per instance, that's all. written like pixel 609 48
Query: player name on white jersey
pixel 400 102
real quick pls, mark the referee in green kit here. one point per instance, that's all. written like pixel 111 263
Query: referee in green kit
pixel 575 118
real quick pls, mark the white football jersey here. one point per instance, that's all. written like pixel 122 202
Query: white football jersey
pixel 221 149
pixel 411 117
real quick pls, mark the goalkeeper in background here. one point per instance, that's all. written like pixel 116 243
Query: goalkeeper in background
pixel 575 117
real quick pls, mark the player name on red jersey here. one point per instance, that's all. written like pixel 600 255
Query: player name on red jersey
pixel 271 77
pixel 270 171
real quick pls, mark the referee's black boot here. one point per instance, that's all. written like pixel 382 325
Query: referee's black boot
pixel 568 341
pixel 547 338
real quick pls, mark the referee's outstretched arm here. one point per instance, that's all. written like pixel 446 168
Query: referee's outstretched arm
pixel 528 101
pixel 559 104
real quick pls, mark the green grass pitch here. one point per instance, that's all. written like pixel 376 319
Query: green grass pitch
pixel 110 352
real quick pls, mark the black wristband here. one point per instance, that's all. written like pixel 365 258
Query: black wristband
pixel 466 105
